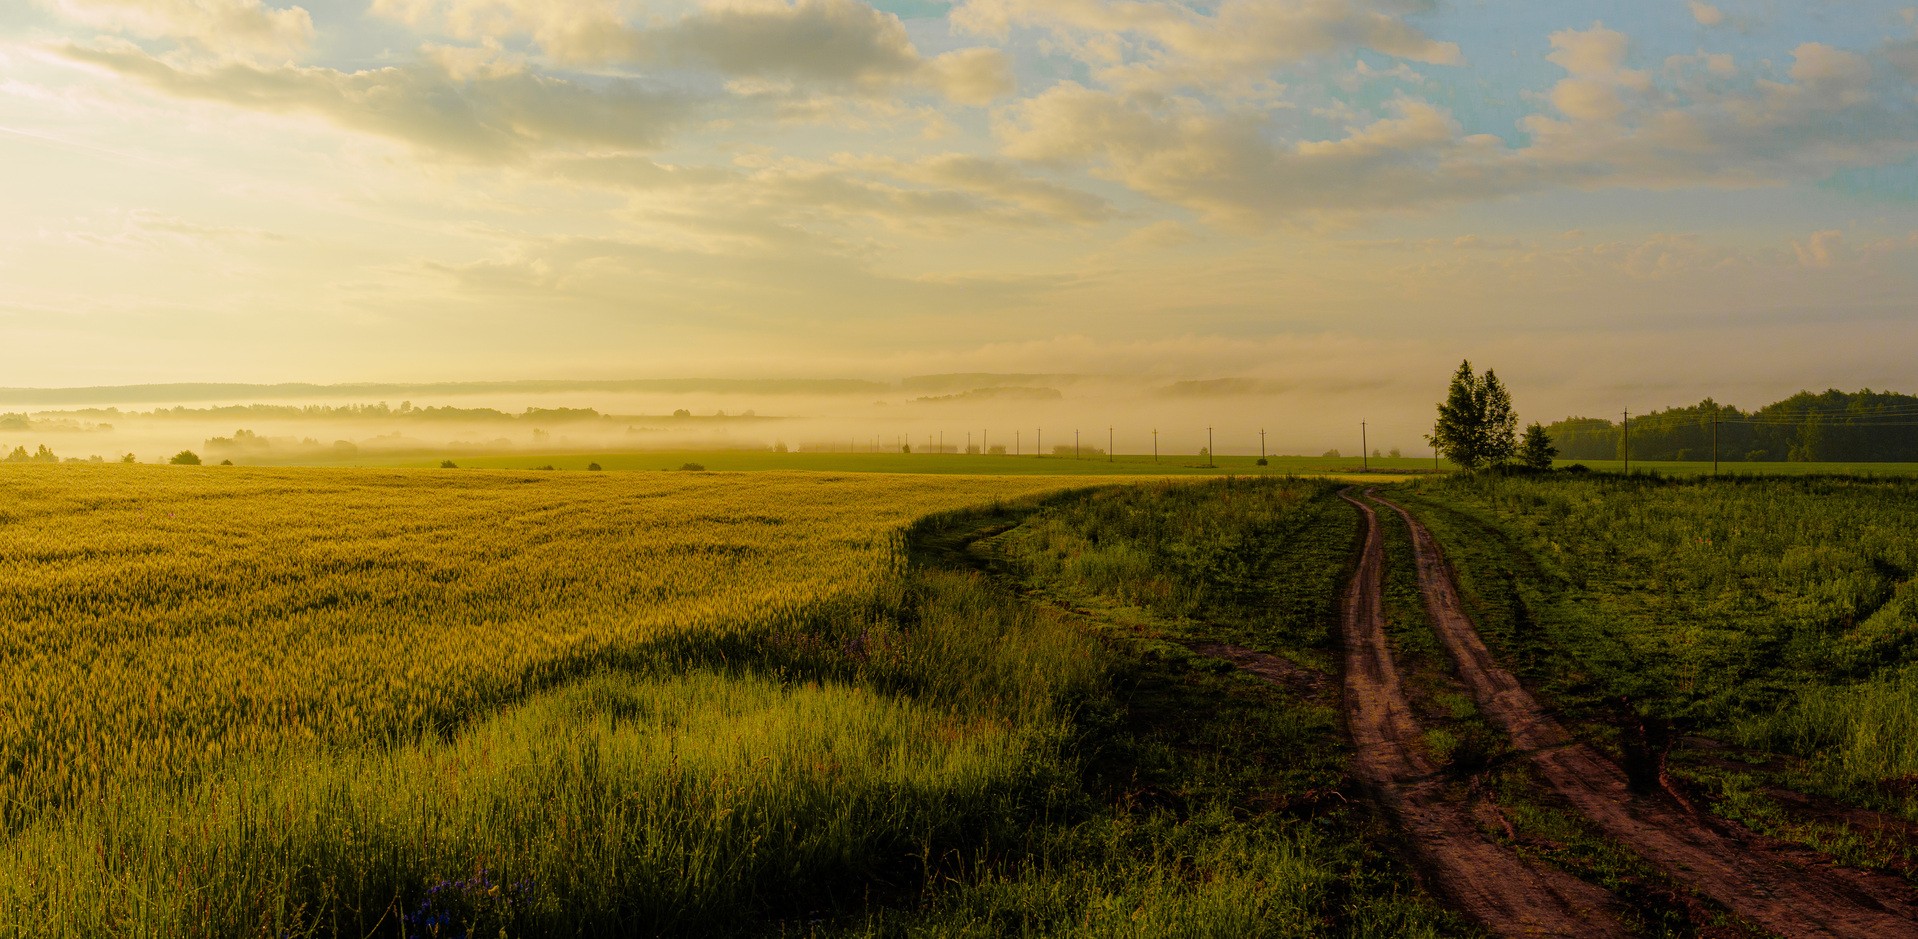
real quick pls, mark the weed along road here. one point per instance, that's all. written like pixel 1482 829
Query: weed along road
pixel 1487 881
pixel 1752 878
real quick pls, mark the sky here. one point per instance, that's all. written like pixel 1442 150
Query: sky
pixel 1622 204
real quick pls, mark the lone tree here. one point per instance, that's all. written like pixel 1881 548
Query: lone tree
pixel 1476 425
pixel 1535 450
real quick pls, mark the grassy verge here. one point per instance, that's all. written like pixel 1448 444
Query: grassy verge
pixel 1217 802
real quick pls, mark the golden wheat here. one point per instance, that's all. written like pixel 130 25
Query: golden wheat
pixel 156 621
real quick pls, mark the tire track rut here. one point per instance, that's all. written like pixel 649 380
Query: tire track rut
pixel 1751 878
pixel 1486 881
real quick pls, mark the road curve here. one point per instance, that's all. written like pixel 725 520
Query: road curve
pixel 1486 881
pixel 1752 879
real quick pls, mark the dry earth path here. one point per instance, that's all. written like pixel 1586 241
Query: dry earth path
pixel 1753 879
pixel 1486 881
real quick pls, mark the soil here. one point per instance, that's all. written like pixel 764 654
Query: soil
pixel 1783 890
pixel 1304 682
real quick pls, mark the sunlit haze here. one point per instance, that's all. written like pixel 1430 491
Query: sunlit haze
pixel 1284 214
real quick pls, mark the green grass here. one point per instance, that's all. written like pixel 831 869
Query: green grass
pixel 1778 615
pixel 1781 468
pixel 1481 767
pixel 1259 562
pixel 1224 801
pixel 719 788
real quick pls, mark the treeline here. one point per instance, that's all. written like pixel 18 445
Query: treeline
pixel 1835 426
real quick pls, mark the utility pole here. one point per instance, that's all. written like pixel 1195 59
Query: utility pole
pixel 1365 452
pixel 1075 443
pixel 1209 456
pixel 942 441
pixel 1017 446
pixel 1714 441
pixel 1261 446
pixel 1108 443
pixel 1039 442
pixel 1155 444
pixel 968 441
pixel 1626 429
pixel 1435 449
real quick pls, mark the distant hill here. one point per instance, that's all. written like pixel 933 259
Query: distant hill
pixel 218 391
pixel 1835 426
pixel 967 381
pixel 999 393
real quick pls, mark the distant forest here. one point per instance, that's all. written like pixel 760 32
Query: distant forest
pixel 1865 427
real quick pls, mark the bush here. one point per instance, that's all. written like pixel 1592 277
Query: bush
pixel 1262 461
pixel 448 464
pixel 693 467
pixel 185 458
pixel 1333 453
pixel 226 462
pixel 592 467
pixel 129 458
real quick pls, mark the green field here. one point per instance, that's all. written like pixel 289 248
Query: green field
pixel 1774 616
pixel 380 702
pixel 1704 468
pixel 918 463
pixel 1122 464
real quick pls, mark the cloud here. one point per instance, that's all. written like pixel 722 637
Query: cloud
pixel 1706 14
pixel 242 27
pixel 844 45
pixel 815 204
pixel 1139 45
pixel 1604 124
pixel 1225 166
pixel 485 110
pixel 1820 249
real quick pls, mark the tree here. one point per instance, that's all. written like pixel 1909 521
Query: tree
pixel 185 458
pixel 1477 426
pixel 1535 451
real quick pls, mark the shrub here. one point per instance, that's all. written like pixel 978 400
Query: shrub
pixel 226 462
pixel 448 464
pixel 693 467
pixel 592 467
pixel 185 458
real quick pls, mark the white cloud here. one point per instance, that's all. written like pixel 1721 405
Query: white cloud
pixel 231 27
pixel 1142 45
pixel 478 108
pixel 1225 165
pixel 1606 124
pixel 1820 249
pixel 1706 14
pixel 842 45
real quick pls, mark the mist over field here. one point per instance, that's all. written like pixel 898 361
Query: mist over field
pixel 1019 412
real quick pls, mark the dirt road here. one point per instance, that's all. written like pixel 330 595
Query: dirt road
pixel 1485 880
pixel 1753 879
